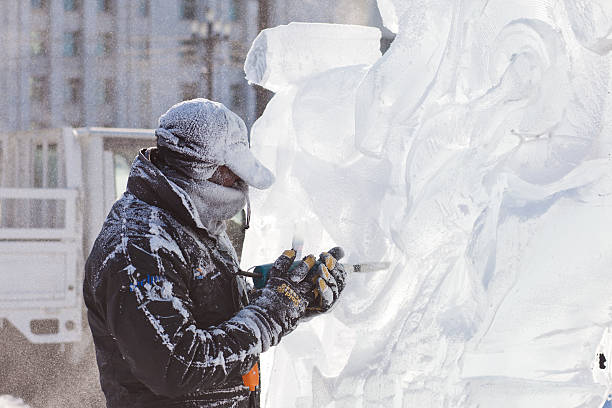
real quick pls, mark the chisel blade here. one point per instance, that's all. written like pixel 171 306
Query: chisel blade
pixel 368 267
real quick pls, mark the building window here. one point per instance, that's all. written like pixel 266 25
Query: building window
pixel 39 124
pixel 144 49
pixel 188 10
pixel 233 10
pixel 237 93
pixel 72 44
pixel 237 53
pixel 39 89
pixel 72 5
pixel 106 6
pixel 38 43
pixel 52 165
pixel 144 8
pixel 38 166
pixel 109 91
pixel 39 4
pixel 50 179
pixel 106 45
pixel 189 90
pixel 73 119
pixel 74 90
pixel 100 45
pixel 144 102
pixel 188 51
pixel 2 161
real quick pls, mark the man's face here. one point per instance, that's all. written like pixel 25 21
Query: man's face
pixel 224 176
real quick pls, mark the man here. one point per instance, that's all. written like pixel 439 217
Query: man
pixel 172 322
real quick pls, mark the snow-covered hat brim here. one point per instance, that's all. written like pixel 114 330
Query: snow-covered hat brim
pixel 241 161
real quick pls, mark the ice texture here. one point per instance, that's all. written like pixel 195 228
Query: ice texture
pixel 285 54
pixel 592 23
pixel 392 10
pixel 476 157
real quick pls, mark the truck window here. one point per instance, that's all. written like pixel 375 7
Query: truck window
pixel 45 168
pixel 122 170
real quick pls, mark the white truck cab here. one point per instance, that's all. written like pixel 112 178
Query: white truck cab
pixel 56 188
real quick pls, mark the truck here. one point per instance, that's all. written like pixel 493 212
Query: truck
pixel 56 188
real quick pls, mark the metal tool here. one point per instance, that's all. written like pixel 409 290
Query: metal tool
pixel 261 272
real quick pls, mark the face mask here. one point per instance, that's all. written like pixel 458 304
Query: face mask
pixel 214 203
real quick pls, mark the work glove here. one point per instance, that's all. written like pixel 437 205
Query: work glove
pixel 328 277
pixel 285 295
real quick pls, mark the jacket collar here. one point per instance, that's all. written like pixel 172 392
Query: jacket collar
pixel 150 185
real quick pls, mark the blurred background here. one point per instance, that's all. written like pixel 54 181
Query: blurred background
pixel 82 84
pixel 119 63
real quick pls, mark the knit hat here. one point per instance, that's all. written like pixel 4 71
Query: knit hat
pixel 197 136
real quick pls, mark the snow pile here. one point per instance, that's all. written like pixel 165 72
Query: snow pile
pixel 476 157
pixel 8 401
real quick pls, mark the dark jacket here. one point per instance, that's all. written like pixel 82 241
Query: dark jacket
pixel 165 307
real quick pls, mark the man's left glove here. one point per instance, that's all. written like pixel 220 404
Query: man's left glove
pixel 328 277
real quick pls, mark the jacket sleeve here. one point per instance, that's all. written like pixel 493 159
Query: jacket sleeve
pixel 157 333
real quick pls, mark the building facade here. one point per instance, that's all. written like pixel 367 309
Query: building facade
pixel 120 63
pixel 361 12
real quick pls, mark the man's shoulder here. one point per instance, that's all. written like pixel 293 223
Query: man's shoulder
pixel 136 227
pixel 136 236
pixel 134 218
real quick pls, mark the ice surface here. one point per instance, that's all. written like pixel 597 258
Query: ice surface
pixel 476 157
pixel 592 23
pixel 285 54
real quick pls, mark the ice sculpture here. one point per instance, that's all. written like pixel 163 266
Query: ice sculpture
pixel 476 157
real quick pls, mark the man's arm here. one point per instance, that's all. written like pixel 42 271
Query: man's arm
pixel 158 336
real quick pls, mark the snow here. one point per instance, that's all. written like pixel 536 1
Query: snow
pixel 161 239
pixel 8 401
pixel 476 157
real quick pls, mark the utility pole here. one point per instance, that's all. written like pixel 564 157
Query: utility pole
pixel 262 95
pixel 209 33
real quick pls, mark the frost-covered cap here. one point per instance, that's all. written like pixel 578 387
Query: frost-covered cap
pixel 200 135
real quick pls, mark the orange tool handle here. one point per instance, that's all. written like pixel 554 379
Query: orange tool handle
pixel 251 379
